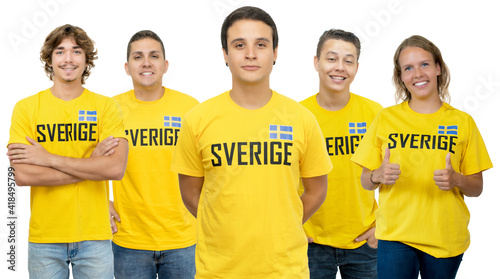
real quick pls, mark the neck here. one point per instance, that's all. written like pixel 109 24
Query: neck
pixel 67 91
pixel 149 94
pixel 425 106
pixel 251 96
pixel 333 100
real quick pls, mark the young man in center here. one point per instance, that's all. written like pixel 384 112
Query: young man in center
pixel 240 157
pixel 155 233
pixel 342 230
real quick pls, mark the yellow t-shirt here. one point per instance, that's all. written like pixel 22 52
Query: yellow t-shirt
pixel 349 210
pixel 414 210
pixel 250 213
pixel 148 200
pixel 78 211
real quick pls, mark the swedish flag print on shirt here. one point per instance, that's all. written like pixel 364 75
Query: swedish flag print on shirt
pixel 357 127
pixel 448 130
pixel 172 121
pixel 87 115
pixel 280 132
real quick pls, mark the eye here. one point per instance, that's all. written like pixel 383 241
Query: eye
pixel 408 68
pixel 331 59
pixel 137 57
pixel 239 45
pixel 425 64
pixel 261 45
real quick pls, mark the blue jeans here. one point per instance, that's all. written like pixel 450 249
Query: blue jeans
pixel 353 263
pixel 398 260
pixel 144 264
pixel 89 260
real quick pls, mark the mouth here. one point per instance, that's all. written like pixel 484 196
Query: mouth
pixel 251 67
pixel 421 83
pixel 68 68
pixel 338 78
pixel 147 73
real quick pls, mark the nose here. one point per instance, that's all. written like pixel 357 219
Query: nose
pixel 339 66
pixel 250 54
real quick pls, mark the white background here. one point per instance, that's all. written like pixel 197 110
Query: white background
pixel 465 31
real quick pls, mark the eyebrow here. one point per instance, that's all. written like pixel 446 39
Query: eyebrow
pixel 74 47
pixel 336 53
pixel 258 39
pixel 142 52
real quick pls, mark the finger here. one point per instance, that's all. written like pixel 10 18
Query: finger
pixel 362 237
pixel 310 240
pixel 387 155
pixel 114 229
pixel 448 161
pixel 31 141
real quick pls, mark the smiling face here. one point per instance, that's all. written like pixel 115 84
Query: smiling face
pixel 146 64
pixel 250 53
pixel 68 62
pixel 419 73
pixel 337 66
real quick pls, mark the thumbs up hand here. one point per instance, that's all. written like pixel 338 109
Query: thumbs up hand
pixel 446 179
pixel 388 172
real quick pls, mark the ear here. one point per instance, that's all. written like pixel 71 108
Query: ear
pixel 126 69
pixel 224 53
pixel 316 61
pixel 166 66
pixel 438 68
pixel 275 53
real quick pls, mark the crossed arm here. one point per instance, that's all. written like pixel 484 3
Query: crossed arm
pixel 36 166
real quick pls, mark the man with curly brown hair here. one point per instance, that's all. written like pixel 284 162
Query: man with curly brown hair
pixel 53 147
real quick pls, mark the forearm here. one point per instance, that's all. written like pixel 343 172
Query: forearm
pixel 32 175
pixel 470 185
pixel 366 181
pixel 190 188
pixel 94 168
pixel 315 189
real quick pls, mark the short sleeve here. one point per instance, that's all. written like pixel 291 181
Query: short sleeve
pixel 475 158
pixel 187 157
pixel 369 152
pixel 315 160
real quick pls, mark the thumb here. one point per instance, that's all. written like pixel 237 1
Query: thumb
pixel 387 155
pixel 448 161
pixel 31 141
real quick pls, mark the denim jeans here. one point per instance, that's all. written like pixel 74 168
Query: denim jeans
pixel 89 260
pixel 353 263
pixel 398 260
pixel 145 264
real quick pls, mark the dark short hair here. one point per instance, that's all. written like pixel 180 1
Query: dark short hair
pixel 338 34
pixel 252 13
pixel 144 34
pixel 81 39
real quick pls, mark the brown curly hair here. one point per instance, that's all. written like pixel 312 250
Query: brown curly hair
pixel 81 39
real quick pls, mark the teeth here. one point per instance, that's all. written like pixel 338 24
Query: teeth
pixel 420 83
pixel 340 78
pixel 147 74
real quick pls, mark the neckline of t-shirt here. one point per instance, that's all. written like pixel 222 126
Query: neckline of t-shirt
pixel 334 112
pixel 407 107
pixel 239 108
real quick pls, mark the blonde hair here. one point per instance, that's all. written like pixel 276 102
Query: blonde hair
pixel 443 80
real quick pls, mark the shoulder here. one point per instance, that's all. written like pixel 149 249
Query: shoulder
pixel 363 101
pixel 123 96
pixel 308 101
pixel 181 96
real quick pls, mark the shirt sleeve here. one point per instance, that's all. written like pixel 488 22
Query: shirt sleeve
pixel 369 152
pixel 112 121
pixel 315 160
pixel 187 157
pixel 20 125
pixel 475 158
